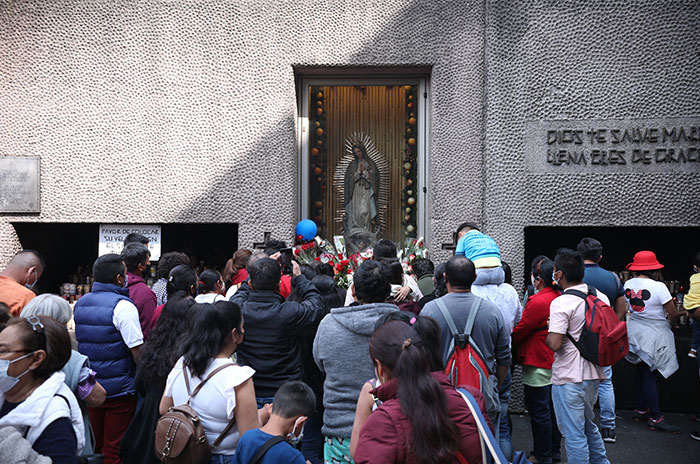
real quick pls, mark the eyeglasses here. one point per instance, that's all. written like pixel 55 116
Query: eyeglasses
pixel 38 327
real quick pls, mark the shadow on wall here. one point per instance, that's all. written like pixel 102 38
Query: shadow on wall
pixel 421 34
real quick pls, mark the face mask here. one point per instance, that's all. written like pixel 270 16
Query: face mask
pixel 126 281
pixel 30 287
pixel 376 376
pixel 532 279
pixel 291 438
pixel 7 382
pixel 554 279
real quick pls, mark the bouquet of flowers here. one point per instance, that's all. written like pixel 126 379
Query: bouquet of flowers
pixel 305 253
pixel 413 250
pixel 334 254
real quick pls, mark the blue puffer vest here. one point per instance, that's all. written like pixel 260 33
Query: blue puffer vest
pixel 101 342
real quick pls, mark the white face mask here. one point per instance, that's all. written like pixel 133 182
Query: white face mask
pixel 7 382
pixel 30 287
pixel 293 439
pixel 554 279
pixel 376 376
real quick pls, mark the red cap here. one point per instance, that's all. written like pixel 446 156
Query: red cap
pixel 645 261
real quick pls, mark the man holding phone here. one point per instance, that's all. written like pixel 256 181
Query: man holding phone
pixel 272 325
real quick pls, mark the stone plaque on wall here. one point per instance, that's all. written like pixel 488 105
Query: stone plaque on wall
pixel 19 185
pixel 613 145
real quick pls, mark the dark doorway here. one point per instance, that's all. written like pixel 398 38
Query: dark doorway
pixel 70 249
pixel 674 246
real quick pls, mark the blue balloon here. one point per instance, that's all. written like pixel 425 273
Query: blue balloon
pixel 306 229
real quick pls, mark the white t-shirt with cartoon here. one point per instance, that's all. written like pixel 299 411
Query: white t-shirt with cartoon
pixel 646 298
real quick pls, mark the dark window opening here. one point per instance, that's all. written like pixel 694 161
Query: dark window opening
pixel 70 249
pixel 674 248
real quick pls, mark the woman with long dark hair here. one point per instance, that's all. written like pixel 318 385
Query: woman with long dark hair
pixel 159 354
pixel 422 418
pixel 536 358
pixel 429 332
pixel 216 332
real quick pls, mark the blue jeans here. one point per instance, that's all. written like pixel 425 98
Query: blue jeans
pixel 695 342
pixel 606 400
pixel 646 391
pixel 504 441
pixel 312 444
pixel 573 406
pixel 545 433
pixel 222 459
pixel 263 400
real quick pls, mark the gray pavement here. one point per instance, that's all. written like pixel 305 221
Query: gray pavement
pixel 635 443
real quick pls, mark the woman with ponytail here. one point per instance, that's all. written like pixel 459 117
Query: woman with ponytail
pixel 536 358
pixel 422 418
pixel 235 271
pixel 210 287
pixel 215 334
pixel 182 283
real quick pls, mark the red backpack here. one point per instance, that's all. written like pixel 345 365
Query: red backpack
pixel 603 339
pixel 465 364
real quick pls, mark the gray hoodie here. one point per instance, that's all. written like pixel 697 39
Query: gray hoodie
pixel 341 350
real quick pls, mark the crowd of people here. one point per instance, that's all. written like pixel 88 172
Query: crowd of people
pixel 291 368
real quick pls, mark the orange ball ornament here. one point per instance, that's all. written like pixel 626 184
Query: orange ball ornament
pixel 314 151
pixel 411 141
pixel 319 131
pixel 410 105
pixel 412 121
pixel 407 87
pixel 319 95
pixel 317 171
pixel 319 142
pixel 319 111
pixel 317 124
pixel 319 204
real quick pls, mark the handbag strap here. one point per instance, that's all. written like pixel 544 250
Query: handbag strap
pixel 485 434
pixel 223 434
pixel 263 449
pixel 201 384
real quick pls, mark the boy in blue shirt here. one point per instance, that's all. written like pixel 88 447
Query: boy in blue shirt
pixel 293 404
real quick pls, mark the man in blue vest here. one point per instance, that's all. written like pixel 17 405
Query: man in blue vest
pixel 109 334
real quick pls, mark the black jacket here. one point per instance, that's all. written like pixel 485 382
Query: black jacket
pixel 272 329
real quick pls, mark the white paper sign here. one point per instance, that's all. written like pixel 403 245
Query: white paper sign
pixel 112 237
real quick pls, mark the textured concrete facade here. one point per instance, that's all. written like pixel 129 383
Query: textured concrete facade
pixel 186 111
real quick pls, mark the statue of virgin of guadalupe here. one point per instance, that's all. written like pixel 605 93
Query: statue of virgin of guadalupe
pixel 361 189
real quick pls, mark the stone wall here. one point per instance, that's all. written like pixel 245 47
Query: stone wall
pixel 586 60
pixel 185 111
